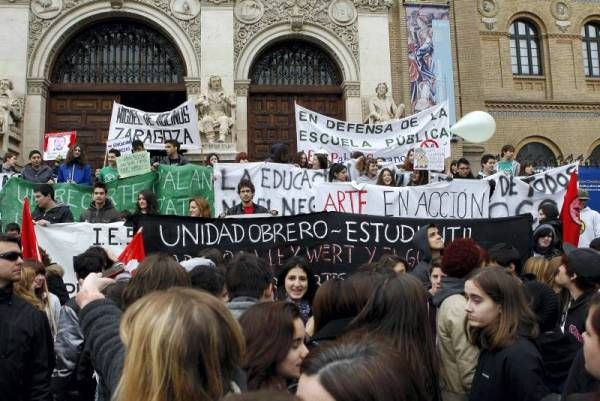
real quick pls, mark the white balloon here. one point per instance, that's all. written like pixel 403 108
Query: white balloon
pixel 476 127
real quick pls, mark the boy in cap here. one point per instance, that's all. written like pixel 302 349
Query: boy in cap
pixel 590 220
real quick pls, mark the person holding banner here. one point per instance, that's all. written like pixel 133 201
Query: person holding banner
pixel 199 207
pixel 35 171
pixel 101 209
pixel 245 189
pixel 109 173
pixel 47 210
pixel 75 169
pixel 338 173
pixel 386 177
pixel 368 170
pixel 9 163
pixel 173 157
pixel 319 161
pixel 488 166
pixel 506 163
pixel 147 203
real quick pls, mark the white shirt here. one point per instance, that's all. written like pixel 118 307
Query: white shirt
pixel 591 221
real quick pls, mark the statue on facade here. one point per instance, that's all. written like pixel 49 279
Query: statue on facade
pixel 11 106
pixel 215 112
pixel 382 107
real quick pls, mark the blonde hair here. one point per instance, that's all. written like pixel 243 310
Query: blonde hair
pixel 538 266
pixel 24 288
pixel 182 345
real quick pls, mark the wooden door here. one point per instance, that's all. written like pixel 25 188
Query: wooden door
pixel 271 118
pixel 89 115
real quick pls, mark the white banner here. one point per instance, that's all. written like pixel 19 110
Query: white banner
pixel 517 195
pixel 457 199
pixel 153 129
pixel 57 144
pixel 65 240
pixel 391 141
pixel 280 187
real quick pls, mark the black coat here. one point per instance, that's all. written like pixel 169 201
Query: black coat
pixel 239 209
pixel 514 373
pixel 58 214
pixel 574 324
pixel 26 350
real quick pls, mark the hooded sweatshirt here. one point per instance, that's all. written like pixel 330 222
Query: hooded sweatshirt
pixel 41 175
pixel 421 243
pixel 548 252
pixel 106 214
pixel 277 152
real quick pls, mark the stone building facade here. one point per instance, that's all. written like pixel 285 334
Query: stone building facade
pixel 328 55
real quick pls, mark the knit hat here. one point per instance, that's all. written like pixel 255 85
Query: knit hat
pixel 543 302
pixel 584 262
pixel 460 257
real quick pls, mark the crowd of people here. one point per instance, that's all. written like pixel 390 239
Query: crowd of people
pixel 464 323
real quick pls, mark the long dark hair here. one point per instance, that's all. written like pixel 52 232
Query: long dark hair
pixel 269 331
pixel 70 159
pixel 334 170
pixel 297 261
pixel 516 318
pixel 151 201
pixel 398 310
pixel 380 177
pixel 298 160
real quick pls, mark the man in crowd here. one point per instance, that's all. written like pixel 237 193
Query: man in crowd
pixel 13 229
pixel 27 352
pixel 506 163
pixel 279 153
pixel 109 173
pixel 101 209
pixel 488 166
pixel 47 210
pixel 173 157
pixel 590 220
pixel 137 146
pixel 463 169
pixel 246 190
pixel 506 256
pixel 430 244
pixel 249 281
pixel 35 171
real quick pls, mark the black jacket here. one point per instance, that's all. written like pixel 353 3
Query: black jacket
pixel 239 209
pixel 106 214
pixel 26 350
pixel 58 214
pixel 42 175
pixel 579 383
pixel 421 243
pixel 574 321
pixel 514 373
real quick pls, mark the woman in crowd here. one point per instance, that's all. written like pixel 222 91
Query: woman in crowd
pixel 199 207
pixel 75 169
pixel 8 163
pixel 452 168
pixel 275 347
pixel 548 214
pixel 241 157
pixel 408 164
pixel 398 311
pixel 33 288
pixel 503 327
pixel 301 160
pixel 527 169
pixel 178 344
pixel 367 370
pixel 147 203
pixel 211 160
pixel 338 173
pixel 419 177
pixel 546 242
pixel 386 177
pixel 319 161
pixel 368 170
pixel 296 283
pixel 395 262
pixel 539 267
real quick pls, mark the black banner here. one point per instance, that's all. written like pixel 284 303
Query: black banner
pixel 335 244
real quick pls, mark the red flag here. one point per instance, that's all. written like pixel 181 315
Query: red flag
pixel 29 245
pixel 569 213
pixel 135 249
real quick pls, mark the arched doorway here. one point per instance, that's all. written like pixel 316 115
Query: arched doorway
pixel 115 60
pixel 538 153
pixel 287 72
pixel 594 158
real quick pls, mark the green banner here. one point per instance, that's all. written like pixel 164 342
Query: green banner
pixel 174 187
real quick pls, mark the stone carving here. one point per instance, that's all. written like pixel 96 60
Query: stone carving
pixel 342 12
pixel 217 2
pixel 374 5
pixel 185 9
pixel 249 11
pixel 560 10
pixel 488 8
pixel 215 111
pixel 46 9
pixel 11 106
pixel 382 107
pixel 296 12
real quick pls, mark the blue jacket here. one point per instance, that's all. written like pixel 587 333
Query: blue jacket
pixel 75 173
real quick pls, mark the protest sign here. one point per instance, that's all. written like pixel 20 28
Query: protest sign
pixel 513 195
pixel 132 164
pixel 280 187
pixel 334 244
pixel 390 141
pixel 65 240
pixel 429 159
pixel 153 129
pixel 57 144
pixel 456 199
pixel 176 185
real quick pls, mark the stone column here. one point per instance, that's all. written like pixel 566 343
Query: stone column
pixel 241 87
pixel 35 121
pixel 354 110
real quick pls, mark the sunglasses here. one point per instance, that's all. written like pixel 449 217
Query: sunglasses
pixel 12 255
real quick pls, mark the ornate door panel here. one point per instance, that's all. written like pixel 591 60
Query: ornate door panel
pixel 271 118
pixel 89 115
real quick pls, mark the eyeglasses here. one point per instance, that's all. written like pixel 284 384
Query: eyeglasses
pixel 12 255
